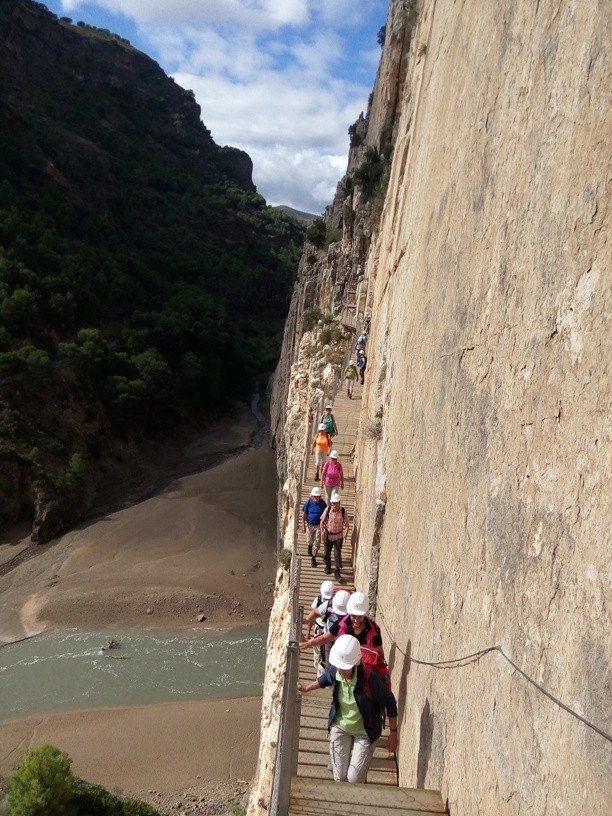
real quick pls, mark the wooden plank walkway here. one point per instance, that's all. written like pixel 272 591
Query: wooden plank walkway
pixel 313 790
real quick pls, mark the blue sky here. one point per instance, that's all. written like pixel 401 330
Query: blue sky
pixel 281 79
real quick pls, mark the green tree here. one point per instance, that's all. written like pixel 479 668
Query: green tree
pixel 43 785
pixel 316 232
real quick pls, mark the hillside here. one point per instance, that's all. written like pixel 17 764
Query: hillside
pixel 143 281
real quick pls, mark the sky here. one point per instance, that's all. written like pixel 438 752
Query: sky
pixel 281 79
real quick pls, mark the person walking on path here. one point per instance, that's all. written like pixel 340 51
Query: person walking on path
pixel 321 446
pixel 355 623
pixel 334 527
pixel 332 475
pixel 362 362
pixel 350 375
pixel 329 420
pixel 355 716
pixel 313 509
pixel 324 597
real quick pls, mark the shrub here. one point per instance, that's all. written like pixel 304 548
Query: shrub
pixel 43 785
pixel 284 558
pixel 311 318
pixel 316 232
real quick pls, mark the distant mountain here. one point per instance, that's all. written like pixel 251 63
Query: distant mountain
pixel 132 248
pixel 297 215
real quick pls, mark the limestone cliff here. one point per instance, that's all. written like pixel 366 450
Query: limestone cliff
pixel 483 461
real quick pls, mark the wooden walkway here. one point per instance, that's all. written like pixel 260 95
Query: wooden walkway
pixel 313 790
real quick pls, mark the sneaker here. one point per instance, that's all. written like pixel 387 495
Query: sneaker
pixel 313 561
pixel 338 577
pixel 327 570
pixel 316 477
pixel 310 549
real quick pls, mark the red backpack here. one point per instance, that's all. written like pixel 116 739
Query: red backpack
pixel 373 661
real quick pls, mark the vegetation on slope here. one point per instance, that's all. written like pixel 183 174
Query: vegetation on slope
pixel 142 278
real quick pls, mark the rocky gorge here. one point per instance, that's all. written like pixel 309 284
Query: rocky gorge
pixel 473 223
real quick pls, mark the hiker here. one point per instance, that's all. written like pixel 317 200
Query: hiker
pixel 355 623
pixel 350 375
pixel 367 324
pixel 362 362
pixel 334 527
pixel 321 446
pixel 313 509
pixel 324 596
pixel 355 717
pixel 332 475
pixel 329 420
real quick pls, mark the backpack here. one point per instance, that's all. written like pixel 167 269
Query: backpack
pixel 373 661
pixel 328 421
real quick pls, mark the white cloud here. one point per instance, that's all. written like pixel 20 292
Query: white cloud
pixel 277 78
pixel 257 14
pixel 305 180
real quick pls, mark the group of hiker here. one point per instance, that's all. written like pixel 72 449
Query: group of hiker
pixel 349 657
pixel 347 644
pixel 356 369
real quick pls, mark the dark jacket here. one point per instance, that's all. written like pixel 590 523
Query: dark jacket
pixel 370 709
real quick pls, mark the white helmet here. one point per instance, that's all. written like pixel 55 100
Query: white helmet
pixel 316 491
pixel 345 653
pixel 333 454
pixel 339 602
pixel 328 406
pixel 357 604
pixel 335 497
pixel 321 426
pixel 351 362
pixel 327 590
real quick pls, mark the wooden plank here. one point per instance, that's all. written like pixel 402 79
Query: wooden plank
pixel 424 801
pixel 306 807
pixel 376 764
pixel 321 774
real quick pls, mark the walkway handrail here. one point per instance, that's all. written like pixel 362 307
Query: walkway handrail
pixel 287 745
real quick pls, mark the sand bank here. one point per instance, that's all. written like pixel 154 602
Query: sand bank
pixel 205 545
pixel 161 753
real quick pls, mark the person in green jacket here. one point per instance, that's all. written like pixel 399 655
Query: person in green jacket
pixel 350 375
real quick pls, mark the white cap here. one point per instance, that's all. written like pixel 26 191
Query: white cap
pixel 327 590
pixel 357 604
pixel 316 491
pixel 335 497
pixel 321 426
pixel 333 454
pixel 345 653
pixel 339 602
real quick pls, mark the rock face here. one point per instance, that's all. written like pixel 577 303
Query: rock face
pixel 484 493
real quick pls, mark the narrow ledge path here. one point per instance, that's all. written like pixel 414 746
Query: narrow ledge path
pixel 313 792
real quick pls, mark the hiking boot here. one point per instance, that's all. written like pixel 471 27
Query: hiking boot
pixel 317 476
pixel 337 576
pixel 310 549
pixel 313 561
pixel 327 570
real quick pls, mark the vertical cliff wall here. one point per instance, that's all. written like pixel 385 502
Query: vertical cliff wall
pixel 483 459
pixel 485 503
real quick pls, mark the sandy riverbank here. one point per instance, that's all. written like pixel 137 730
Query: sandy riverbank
pixel 205 545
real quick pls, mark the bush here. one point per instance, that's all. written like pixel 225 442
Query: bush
pixel 311 318
pixel 94 800
pixel 134 807
pixel 317 232
pixel 43 785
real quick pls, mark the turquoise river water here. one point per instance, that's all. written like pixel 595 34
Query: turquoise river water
pixel 64 670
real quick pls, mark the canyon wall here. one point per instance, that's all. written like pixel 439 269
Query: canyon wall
pixel 483 460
